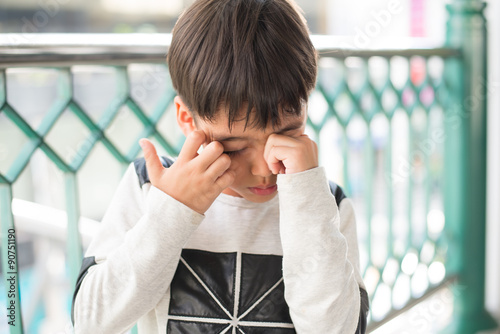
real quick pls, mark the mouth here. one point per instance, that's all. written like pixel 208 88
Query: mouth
pixel 264 190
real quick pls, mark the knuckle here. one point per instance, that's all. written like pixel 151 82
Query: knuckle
pixel 225 159
pixel 216 147
pixel 228 178
pixel 273 136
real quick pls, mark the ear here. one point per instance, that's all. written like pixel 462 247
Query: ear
pixel 185 118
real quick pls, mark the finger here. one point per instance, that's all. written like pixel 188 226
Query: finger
pixel 219 167
pixel 225 180
pixel 190 148
pixel 278 140
pixel 277 157
pixel 282 140
pixel 153 163
pixel 210 154
pixel 277 168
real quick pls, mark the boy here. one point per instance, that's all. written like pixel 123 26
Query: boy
pixel 206 244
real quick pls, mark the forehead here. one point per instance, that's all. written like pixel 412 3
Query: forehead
pixel 219 129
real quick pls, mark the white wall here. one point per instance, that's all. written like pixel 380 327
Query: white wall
pixel 347 18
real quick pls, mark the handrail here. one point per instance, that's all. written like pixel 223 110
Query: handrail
pixel 49 223
pixel 62 50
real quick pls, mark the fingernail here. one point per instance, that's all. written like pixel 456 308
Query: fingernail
pixel 141 143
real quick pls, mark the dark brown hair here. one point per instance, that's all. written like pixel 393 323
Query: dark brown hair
pixel 232 53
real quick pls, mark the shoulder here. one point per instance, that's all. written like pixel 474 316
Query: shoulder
pixel 337 192
pixel 142 172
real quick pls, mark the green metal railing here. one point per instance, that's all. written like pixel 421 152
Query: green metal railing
pixel 403 131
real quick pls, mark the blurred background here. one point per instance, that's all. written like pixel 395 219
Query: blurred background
pixel 422 18
pixel 404 254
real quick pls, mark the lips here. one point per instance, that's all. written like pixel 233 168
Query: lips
pixel 264 190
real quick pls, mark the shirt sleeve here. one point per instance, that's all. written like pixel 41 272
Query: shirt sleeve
pixel 132 259
pixel 323 285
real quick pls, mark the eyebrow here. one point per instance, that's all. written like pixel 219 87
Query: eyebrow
pixel 290 127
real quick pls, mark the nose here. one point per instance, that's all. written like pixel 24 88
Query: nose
pixel 259 164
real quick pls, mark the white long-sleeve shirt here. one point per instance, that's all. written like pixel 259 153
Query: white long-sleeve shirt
pixel 289 265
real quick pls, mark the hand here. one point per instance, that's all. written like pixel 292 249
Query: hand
pixel 289 155
pixel 194 179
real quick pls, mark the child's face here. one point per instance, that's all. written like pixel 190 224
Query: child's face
pixel 254 180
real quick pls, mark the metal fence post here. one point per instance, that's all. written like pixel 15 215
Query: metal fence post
pixel 10 266
pixel 465 203
pixel 74 243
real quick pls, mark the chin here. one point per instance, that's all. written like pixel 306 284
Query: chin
pixel 249 196
pixel 260 199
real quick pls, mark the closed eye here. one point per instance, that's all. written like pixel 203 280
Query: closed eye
pixel 234 153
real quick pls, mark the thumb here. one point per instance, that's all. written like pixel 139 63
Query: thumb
pixel 153 163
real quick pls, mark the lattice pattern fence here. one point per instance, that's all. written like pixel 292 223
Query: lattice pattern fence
pixel 379 118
